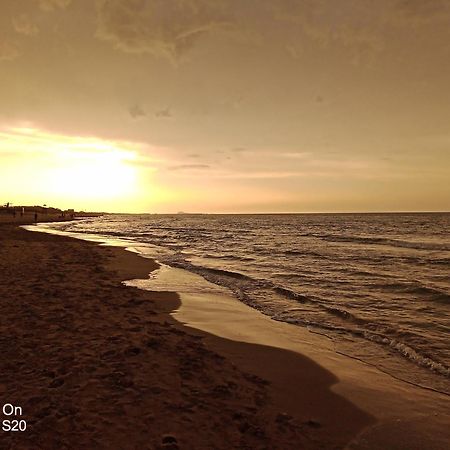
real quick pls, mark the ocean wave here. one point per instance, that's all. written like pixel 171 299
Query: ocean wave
pixel 351 323
pixel 322 305
pixel 432 293
pixel 305 252
pixel 401 348
pixel 416 289
pixel 229 257
pixel 227 273
pixel 440 261
pixel 325 306
pixel 218 276
pixel 382 241
pixel 410 353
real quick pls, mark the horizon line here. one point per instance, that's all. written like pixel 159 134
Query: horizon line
pixel 181 213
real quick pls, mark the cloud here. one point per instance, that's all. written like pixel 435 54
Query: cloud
pixel 360 21
pixel 159 27
pixel 422 10
pixel 295 155
pixel 353 25
pixel 171 28
pixel 51 5
pixel 189 166
pixel 294 51
pixel 262 174
pixel 163 113
pixel 27 140
pixel 8 50
pixel 136 111
pixel 23 25
pixel 361 27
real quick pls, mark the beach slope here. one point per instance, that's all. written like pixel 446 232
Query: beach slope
pixel 96 364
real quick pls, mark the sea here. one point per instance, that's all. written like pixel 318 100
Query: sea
pixel 376 285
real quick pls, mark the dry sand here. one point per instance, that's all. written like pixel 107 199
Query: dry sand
pixel 96 364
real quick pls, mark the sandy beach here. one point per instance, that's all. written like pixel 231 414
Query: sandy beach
pixel 224 225
pixel 96 364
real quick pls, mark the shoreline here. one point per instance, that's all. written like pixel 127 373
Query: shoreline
pixel 406 415
pixel 95 363
pixel 408 343
pixel 173 282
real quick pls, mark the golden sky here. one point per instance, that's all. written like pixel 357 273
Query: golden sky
pixel 225 105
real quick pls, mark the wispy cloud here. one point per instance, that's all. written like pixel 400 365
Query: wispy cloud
pixel 24 25
pixel 170 29
pixel 163 113
pixel 26 140
pixel 137 111
pixel 189 167
pixel 158 26
pixel 8 49
pixel 51 5
pixel 238 149
pixel 421 11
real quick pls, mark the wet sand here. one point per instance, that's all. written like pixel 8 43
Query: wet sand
pixel 406 416
pixel 96 364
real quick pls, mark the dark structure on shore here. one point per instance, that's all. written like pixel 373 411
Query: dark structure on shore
pixel 31 214
pixel 9 209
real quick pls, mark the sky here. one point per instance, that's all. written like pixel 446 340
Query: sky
pixel 225 105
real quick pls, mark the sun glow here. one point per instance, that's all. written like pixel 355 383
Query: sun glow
pixel 71 171
pixel 102 175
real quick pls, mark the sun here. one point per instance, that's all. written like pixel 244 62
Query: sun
pixel 96 174
pixel 70 171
